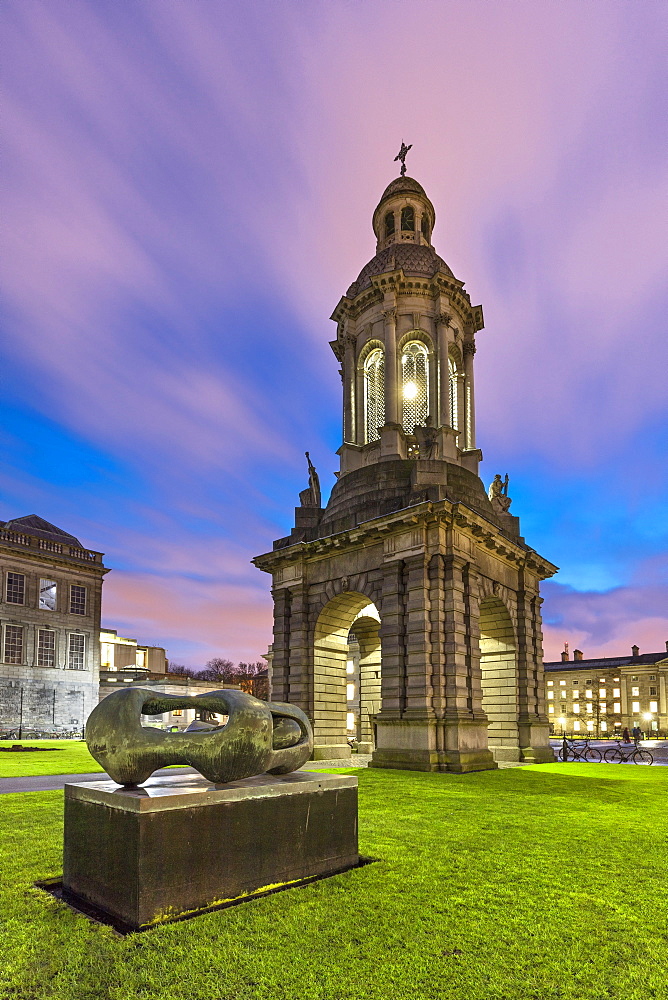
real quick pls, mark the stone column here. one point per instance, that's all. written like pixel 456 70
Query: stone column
pixel 533 725
pixel 391 375
pixel 349 436
pixel 443 339
pixel 469 398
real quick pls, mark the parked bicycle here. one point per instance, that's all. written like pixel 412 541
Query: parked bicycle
pixel 621 755
pixel 579 750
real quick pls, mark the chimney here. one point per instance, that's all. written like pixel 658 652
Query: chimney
pixel 635 650
pixel 564 655
pixel 667 645
pixel 577 654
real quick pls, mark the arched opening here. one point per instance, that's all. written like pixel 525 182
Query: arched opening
pixel 456 395
pixel 389 224
pixel 424 227
pixel 498 662
pixel 414 385
pixel 408 219
pixel 346 675
pixel 374 394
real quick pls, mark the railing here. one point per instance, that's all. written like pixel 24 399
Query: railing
pixel 58 548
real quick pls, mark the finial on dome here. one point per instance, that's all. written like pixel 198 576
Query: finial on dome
pixel 401 155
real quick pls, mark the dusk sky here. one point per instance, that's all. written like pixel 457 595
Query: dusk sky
pixel 188 190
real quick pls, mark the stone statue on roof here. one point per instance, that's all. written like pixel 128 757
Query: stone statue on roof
pixel 498 495
pixel 311 497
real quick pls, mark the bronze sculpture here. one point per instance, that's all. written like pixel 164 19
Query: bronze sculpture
pixel 259 736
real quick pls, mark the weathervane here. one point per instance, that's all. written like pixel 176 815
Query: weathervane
pixel 401 155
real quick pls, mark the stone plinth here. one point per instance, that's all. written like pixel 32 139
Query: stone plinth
pixel 178 843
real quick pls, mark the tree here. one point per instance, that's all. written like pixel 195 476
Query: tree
pixel 180 669
pixel 220 670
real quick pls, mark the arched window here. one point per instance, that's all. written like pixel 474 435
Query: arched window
pixel 389 224
pixel 408 219
pixel 424 227
pixel 455 394
pixel 414 385
pixel 374 394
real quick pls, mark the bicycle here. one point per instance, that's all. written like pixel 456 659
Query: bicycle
pixel 616 755
pixel 579 750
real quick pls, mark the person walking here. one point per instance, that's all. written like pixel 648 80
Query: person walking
pixel 625 735
pixel 637 734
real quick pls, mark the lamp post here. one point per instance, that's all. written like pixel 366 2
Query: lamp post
pixel 647 716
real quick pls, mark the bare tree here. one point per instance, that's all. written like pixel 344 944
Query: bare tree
pixel 220 670
pixel 181 670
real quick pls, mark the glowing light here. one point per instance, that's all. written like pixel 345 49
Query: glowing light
pixel 350 721
pixel 410 390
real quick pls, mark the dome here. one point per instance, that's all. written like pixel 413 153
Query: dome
pixel 415 259
pixel 401 184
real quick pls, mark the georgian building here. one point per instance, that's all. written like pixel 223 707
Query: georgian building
pixel 50 601
pixel 604 695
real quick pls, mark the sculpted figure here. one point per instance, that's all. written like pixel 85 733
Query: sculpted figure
pixel 426 437
pixel 259 736
pixel 311 497
pixel 498 495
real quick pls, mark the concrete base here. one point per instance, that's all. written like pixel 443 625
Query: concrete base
pixel 453 744
pixel 178 843
pixel 332 751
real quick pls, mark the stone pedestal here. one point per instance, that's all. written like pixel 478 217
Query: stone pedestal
pixel 178 843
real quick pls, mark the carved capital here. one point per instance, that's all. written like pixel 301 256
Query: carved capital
pixel 469 347
pixel 445 319
pixel 350 341
pixel 390 315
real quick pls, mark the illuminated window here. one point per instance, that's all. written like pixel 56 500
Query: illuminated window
pixel 601 692
pixel 350 691
pixel 389 224
pixel 635 706
pixel 414 385
pixel 177 712
pixel 16 588
pixel 75 651
pixel 604 726
pixel 550 694
pixel 140 658
pixel 47 595
pixel 13 651
pixel 576 726
pixel 576 708
pixel 603 707
pixel 562 683
pixel 77 600
pixel 601 680
pixel 616 679
pixel 590 708
pixel 654 706
pixel 455 378
pixel 550 709
pixel 616 692
pixel 350 667
pixel 635 692
pixel 374 394
pixel 550 684
pixel 589 694
pixel 617 707
pixel 408 219
pixel 576 694
pixel 46 648
pixel 590 727
pixel 350 721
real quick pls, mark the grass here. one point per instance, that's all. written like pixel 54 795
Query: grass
pixel 537 883
pixel 71 757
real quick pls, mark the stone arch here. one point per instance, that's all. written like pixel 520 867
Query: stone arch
pixel 498 664
pixel 330 658
pixel 366 675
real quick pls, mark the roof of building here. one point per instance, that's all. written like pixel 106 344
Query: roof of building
pixel 34 525
pixel 607 662
pixel 413 258
pixel 400 184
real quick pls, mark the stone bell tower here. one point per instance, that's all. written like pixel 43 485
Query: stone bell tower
pixel 411 559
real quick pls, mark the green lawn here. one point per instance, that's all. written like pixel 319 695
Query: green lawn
pixel 551 881
pixel 70 757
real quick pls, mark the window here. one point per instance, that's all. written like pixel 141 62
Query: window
pixel 654 706
pixel 635 706
pixel 617 707
pixel 604 726
pixel 576 694
pixel 601 680
pixel 350 721
pixel 46 647
pixel 550 709
pixel 590 727
pixel 576 708
pixel 177 712
pixel 635 692
pixel 589 681
pixel 16 588
pixel 389 224
pixel 77 600
pixel 576 683
pixel 350 691
pixel 652 677
pixel 634 677
pixel 589 694
pixel 47 595
pixel 616 680
pixel 562 683
pixel 408 219
pixel 576 726
pixel 75 651
pixel 603 706
pixel 652 691
pixel 13 652
pixel 414 385
pixel 550 694
pixel 590 708
pixel 455 379
pixel 350 667
pixel 374 394
pixel 601 692
pixel 616 692
pixel 550 684
pixel 424 227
